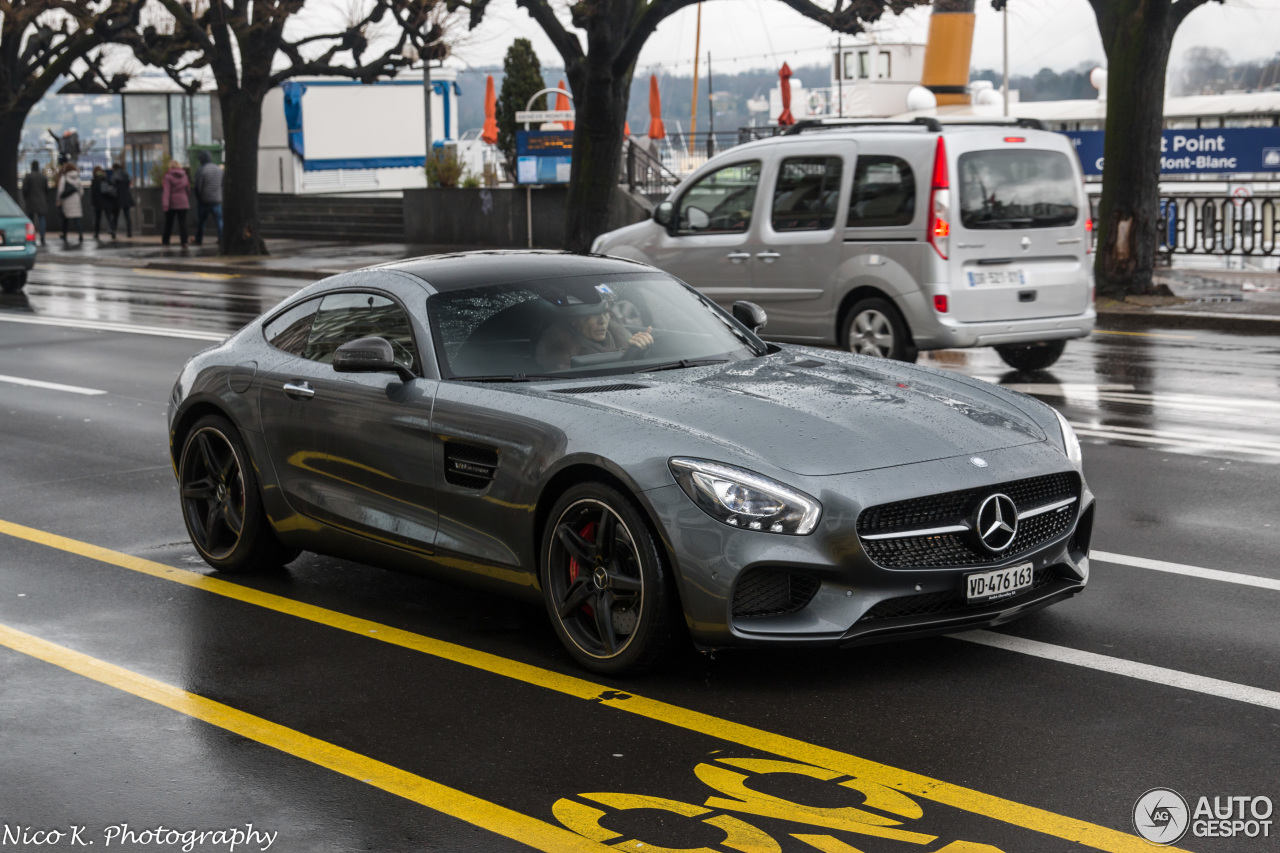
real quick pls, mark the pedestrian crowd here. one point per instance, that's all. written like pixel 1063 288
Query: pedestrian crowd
pixel 111 195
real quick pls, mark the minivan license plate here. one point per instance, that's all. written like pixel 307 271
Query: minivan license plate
pixel 1001 583
pixel 997 278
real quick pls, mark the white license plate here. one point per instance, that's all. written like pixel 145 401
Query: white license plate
pixel 998 278
pixel 1001 583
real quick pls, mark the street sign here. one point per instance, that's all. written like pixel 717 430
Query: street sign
pixel 1240 192
pixel 1230 150
pixel 543 156
pixel 540 116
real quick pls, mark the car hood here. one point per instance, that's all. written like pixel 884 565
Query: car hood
pixel 822 414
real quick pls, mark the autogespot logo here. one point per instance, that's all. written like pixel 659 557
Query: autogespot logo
pixel 1160 816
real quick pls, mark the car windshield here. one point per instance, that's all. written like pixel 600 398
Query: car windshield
pixel 1017 189
pixel 581 326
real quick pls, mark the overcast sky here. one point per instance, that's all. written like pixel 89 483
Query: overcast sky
pixel 744 34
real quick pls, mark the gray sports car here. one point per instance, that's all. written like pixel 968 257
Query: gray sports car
pixel 595 433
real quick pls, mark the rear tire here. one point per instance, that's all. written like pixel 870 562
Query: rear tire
pixel 221 502
pixel 14 281
pixel 1029 357
pixel 607 590
pixel 874 327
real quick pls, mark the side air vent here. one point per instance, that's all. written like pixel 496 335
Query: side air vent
pixel 469 466
pixel 598 389
pixel 768 592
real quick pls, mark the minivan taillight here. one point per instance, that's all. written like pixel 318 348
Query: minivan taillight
pixel 31 233
pixel 940 202
pixel 1088 235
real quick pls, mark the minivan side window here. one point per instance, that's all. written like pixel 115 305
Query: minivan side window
pixel 884 192
pixel 806 194
pixel 720 202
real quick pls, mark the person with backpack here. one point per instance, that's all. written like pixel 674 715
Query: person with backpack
pixel 70 201
pixel 208 196
pixel 175 198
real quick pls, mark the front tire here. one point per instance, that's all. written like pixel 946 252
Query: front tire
pixel 1029 357
pixel 874 327
pixel 221 503
pixel 606 588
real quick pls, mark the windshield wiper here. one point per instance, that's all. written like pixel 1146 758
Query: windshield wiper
pixel 506 377
pixel 684 362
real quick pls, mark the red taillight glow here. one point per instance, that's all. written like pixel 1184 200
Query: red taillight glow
pixel 31 233
pixel 940 203
pixel 1088 236
pixel 1015 139
pixel 940 304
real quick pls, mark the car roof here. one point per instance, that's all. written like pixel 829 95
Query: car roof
pixel 897 132
pixel 461 270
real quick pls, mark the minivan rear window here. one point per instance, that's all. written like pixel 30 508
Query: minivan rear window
pixel 1017 189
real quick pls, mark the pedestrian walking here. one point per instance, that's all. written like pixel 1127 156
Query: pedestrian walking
pixel 208 196
pixel 175 198
pixel 124 198
pixel 103 194
pixel 70 200
pixel 35 198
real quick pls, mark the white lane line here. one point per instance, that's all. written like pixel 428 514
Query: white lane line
pixel 1203 446
pixel 1127 668
pixel 95 326
pixel 1180 569
pixel 51 386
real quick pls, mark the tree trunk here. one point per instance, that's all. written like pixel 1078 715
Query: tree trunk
pixel 242 121
pixel 11 123
pixel 1137 35
pixel 600 115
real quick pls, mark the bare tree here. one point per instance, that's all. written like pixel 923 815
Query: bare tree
pixel 600 71
pixel 1137 36
pixel 245 45
pixel 42 41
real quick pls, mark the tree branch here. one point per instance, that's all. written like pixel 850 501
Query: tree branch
pixel 567 43
pixel 1179 11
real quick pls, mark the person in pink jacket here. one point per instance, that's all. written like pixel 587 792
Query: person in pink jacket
pixel 175 198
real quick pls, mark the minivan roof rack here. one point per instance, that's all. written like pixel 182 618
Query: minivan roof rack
pixel 809 124
pixel 1028 123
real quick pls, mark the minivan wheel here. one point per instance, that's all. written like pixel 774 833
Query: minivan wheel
pixel 1036 356
pixel 873 327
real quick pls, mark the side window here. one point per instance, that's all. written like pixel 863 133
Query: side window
pixel 721 202
pixel 806 194
pixel 289 331
pixel 884 192
pixel 345 317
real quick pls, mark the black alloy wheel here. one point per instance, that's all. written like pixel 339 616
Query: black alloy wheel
pixel 874 327
pixel 604 583
pixel 1030 357
pixel 220 501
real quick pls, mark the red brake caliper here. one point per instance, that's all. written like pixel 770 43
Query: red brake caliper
pixel 588 533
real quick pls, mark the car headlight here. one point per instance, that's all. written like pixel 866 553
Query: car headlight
pixel 1070 443
pixel 741 498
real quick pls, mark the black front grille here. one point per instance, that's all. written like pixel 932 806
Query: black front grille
pixel 930 603
pixel 469 466
pixel 768 592
pixel 949 550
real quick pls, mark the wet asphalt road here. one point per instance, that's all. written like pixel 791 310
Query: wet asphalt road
pixel 347 708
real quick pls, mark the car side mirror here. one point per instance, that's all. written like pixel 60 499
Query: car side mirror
pixel 697 219
pixel 663 212
pixel 750 315
pixel 369 355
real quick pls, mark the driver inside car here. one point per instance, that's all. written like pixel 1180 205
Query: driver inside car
pixel 585 328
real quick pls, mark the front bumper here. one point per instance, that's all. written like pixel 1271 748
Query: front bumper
pixel 856 600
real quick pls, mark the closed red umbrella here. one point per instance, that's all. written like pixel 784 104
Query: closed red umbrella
pixel 784 76
pixel 656 128
pixel 562 103
pixel 490 132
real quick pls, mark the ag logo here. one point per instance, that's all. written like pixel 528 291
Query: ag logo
pixel 1160 816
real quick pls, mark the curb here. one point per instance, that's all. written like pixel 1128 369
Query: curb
pixel 1245 324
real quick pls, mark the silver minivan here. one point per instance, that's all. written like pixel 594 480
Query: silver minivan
pixel 888 237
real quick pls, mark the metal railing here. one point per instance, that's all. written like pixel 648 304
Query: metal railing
pixel 645 172
pixel 1219 225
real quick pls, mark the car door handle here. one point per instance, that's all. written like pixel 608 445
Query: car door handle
pixel 299 389
pixel 738 257
pixel 768 257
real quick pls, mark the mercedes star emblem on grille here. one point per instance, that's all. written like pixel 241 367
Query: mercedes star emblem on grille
pixel 997 522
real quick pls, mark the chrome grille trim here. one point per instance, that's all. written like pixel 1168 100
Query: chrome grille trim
pixel 1041 510
pixel 932 531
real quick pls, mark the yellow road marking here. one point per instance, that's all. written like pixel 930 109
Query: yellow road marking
pixel 185 274
pixel 1145 335
pixel 956 796
pixel 450 801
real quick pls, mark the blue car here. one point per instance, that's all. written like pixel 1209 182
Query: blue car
pixel 17 245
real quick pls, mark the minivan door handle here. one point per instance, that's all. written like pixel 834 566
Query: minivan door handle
pixel 768 257
pixel 302 390
pixel 738 257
